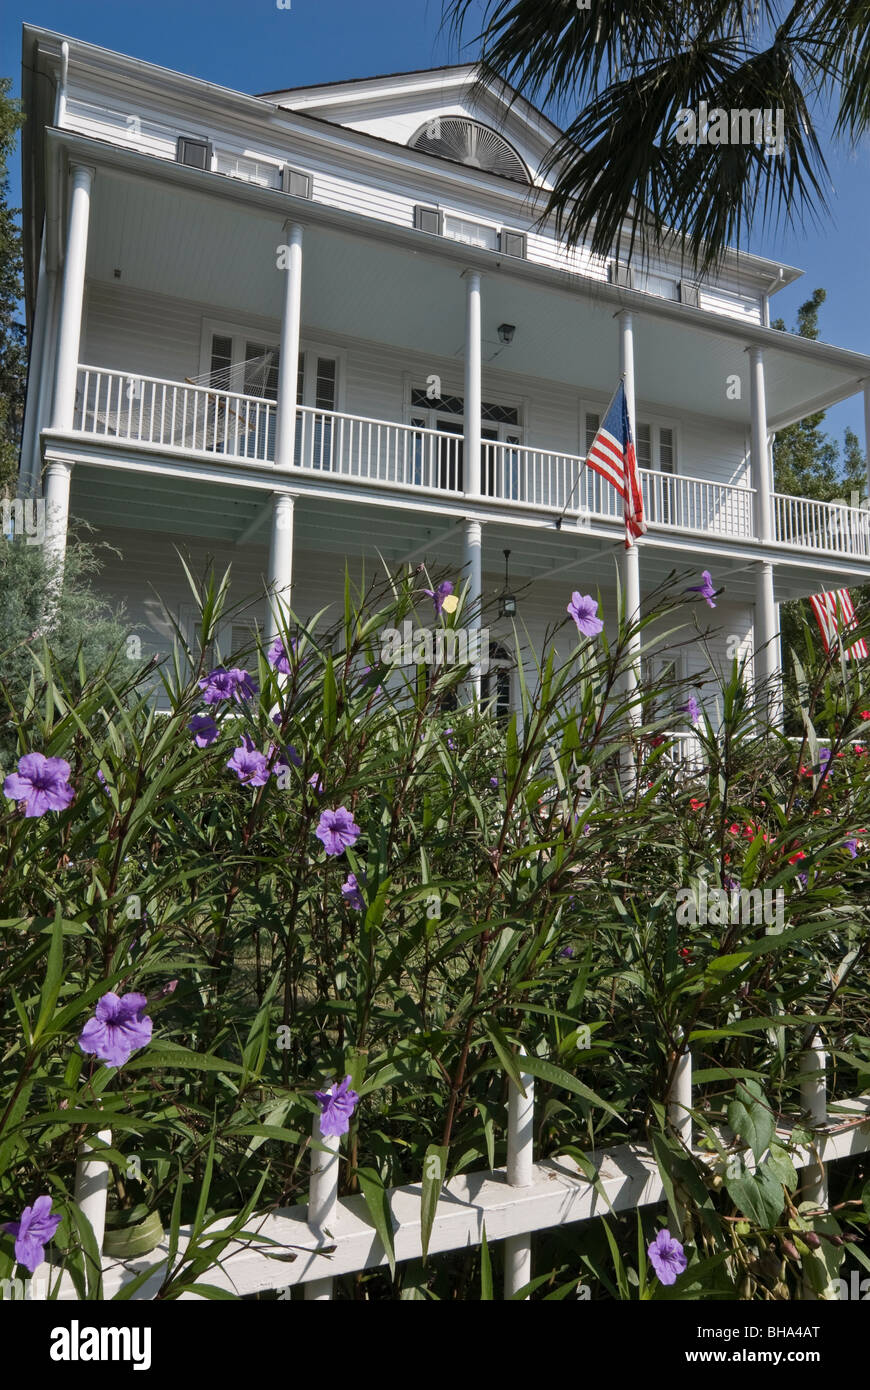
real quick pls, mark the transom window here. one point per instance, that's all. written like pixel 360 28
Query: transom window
pixel 455 405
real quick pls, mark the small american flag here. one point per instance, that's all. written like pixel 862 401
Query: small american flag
pixel 834 612
pixel 611 454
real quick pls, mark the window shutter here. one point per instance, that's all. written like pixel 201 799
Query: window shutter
pixel 689 293
pixel 512 243
pixel 622 274
pixel 427 219
pixel 295 182
pixel 195 153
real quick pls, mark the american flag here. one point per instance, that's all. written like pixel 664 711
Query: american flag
pixel 612 455
pixel 834 611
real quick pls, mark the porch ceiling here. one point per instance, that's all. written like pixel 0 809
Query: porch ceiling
pixel 229 521
pixel 215 249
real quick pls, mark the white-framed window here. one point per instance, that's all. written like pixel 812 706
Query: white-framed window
pixel 470 232
pixel 247 361
pixel 497 685
pixel 655 443
pixel 248 168
pixel 244 360
pixel 665 672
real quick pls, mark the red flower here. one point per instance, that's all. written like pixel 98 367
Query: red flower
pixel 685 953
pixel 865 714
pixel 734 829
pixel 697 805
pixel 800 855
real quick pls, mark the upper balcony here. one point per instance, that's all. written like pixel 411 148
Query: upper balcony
pixel 183 419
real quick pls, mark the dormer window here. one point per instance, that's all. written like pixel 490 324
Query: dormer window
pixel 467 142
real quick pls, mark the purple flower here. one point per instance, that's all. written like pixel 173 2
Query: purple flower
pixel 352 893
pixel 493 782
pixel 566 952
pixel 583 609
pixel 706 589
pixel 117 1028
pixel 33 1232
pixel 204 730
pixel 315 782
pixel 852 847
pixel 249 764
pixel 101 777
pixel 450 744
pixel 337 830
pixel 221 684
pixel 41 783
pixel 439 594
pixel 246 686
pixel 692 709
pixel 824 757
pixel 278 658
pixel 339 1103
pixel 667 1257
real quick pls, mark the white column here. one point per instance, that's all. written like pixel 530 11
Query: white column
pixel 520 1173
pixel 92 1186
pixel 630 559
pixel 280 576
pixel 473 384
pixel 760 455
pixel 474 570
pixel 55 492
pixel 288 362
pixel 322 1199
pixel 768 675
pixel 72 298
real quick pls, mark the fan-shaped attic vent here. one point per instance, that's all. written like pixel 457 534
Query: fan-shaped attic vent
pixel 470 143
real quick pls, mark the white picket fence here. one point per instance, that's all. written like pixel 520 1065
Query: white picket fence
pixel 330 1237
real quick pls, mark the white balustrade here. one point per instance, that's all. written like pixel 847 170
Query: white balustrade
pixel 171 415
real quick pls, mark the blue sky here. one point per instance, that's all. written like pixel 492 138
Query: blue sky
pixel 256 47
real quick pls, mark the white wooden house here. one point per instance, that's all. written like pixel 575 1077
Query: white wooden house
pixel 318 326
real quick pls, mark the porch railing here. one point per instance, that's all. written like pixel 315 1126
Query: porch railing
pixel 813 525
pixel 172 415
pixel 330 1236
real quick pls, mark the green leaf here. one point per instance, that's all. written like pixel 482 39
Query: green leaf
pixel 751 1118
pixel 434 1174
pixel 547 1071
pixel 53 976
pixel 377 1203
pixel 757 1195
pixel 782 1167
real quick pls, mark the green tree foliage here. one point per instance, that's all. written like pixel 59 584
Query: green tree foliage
pixel 806 461
pixel 13 362
pixel 86 632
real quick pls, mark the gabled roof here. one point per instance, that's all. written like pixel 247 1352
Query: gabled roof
pixel 464 74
